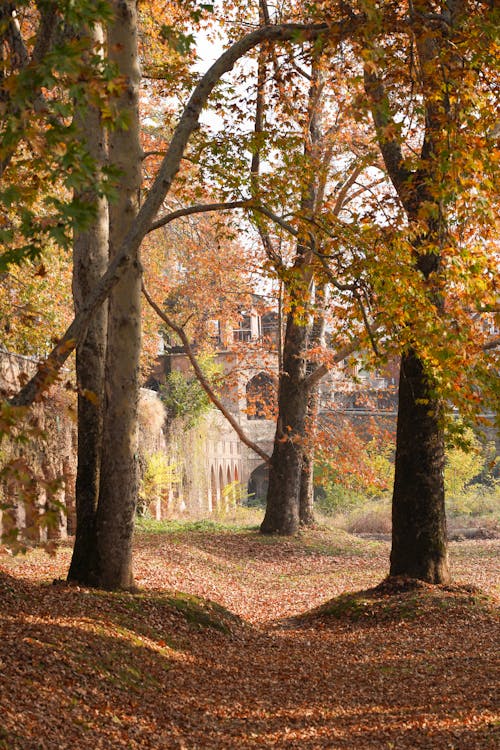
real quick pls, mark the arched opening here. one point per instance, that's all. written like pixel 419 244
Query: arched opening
pixel 221 482
pixel 258 484
pixel 213 490
pixel 260 396
pixel 236 475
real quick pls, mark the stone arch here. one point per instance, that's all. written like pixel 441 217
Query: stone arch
pixel 260 396
pixel 258 483
pixel 212 495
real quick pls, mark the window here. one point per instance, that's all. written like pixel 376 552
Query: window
pixel 244 330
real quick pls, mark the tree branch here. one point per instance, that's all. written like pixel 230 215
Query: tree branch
pixel 277 220
pixel 201 377
pixel 386 130
pixel 320 372
pixel 324 368
pixel 198 208
pixel 344 190
pixel 367 324
pixel 491 344
pixel 188 122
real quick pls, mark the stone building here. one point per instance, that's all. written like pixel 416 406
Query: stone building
pixel 49 454
pixel 213 465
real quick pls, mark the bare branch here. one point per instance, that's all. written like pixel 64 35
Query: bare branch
pixel 367 324
pixel 127 253
pixel 340 355
pixel 198 208
pixel 344 190
pixel 264 12
pixel 179 330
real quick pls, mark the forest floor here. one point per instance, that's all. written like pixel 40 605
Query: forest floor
pixel 228 663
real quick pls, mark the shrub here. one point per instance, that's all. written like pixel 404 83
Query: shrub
pixel 184 397
pixel 334 498
pixel 159 474
pixel 374 517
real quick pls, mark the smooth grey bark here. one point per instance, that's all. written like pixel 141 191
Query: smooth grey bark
pixel 90 259
pixel 119 460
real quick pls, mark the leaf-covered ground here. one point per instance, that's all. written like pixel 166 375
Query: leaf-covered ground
pixel 233 661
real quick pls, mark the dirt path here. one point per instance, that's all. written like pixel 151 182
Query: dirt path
pixel 82 669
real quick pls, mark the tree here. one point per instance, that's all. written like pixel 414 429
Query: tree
pixel 107 480
pixel 49 175
pixel 42 159
pixel 118 484
pixel 440 86
pixel 116 518
pixel 415 249
pixel 309 182
pixel 90 258
pixel 106 487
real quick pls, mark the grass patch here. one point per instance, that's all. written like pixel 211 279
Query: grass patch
pixel 331 540
pixel 399 599
pixel 147 525
pixel 204 613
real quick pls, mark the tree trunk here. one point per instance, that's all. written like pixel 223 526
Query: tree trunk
pixel 306 494
pixel 282 509
pixel 317 338
pixel 418 511
pixel 419 522
pixel 118 480
pixel 90 254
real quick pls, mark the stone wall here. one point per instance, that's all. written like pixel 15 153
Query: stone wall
pixel 50 453
pixel 211 466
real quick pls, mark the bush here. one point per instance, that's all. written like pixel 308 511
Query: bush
pixel 374 517
pixel 472 489
pixel 479 502
pixel 332 498
pixel 184 397
pixel 159 474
